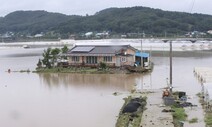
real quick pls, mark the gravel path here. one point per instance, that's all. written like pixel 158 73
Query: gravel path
pixel 153 116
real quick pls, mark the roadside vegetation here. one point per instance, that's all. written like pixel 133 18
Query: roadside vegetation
pixel 130 114
pixel 179 114
pixel 208 119
pixel 208 112
pixel 193 120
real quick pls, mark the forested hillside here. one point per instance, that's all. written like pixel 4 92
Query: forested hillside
pixel 115 20
pixel 32 22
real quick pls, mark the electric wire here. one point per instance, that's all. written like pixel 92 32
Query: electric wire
pixel 192 6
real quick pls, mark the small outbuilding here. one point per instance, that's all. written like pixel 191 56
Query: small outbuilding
pixel 142 59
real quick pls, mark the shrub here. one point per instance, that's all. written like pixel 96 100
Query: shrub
pixel 103 65
pixel 179 114
pixel 193 120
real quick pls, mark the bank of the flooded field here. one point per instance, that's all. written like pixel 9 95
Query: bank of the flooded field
pixel 91 70
pixel 87 70
pixel 159 111
pixel 207 110
pixel 131 112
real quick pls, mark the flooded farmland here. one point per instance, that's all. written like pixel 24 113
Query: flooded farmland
pixel 79 100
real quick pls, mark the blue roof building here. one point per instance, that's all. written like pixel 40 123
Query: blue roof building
pixel 142 59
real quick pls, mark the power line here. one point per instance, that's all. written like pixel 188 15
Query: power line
pixel 192 6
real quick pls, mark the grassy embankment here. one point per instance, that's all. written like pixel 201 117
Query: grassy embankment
pixel 179 115
pixel 87 70
pixel 208 112
pixel 131 119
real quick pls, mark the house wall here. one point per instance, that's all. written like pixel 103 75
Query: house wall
pixel 130 60
pixel 132 52
pixel 116 60
pixel 109 63
pixel 99 59
pixel 75 63
pixel 126 60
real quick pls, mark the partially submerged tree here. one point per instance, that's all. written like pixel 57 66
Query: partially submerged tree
pixel 50 56
pixel 54 54
pixel 47 58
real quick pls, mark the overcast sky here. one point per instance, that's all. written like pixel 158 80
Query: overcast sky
pixel 83 7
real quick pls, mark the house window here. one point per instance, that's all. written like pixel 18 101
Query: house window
pixel 91 59
pixel 107 58
pixel 75 58
pixel 123 59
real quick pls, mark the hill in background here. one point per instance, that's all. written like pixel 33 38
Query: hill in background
pixel 150 21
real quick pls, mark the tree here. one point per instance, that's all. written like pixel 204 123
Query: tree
pixel 50 56
pixel 54 53
pixel 65 49
pixel 47 58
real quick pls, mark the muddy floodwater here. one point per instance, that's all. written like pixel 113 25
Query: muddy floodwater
pixel 82 100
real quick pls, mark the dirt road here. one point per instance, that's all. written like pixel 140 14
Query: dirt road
pixel 153 116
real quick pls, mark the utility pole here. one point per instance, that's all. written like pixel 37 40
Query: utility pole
pixel 141 55
pixel 170 64
pixel 170 58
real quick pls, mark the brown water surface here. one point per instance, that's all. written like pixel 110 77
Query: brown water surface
pixel 79 100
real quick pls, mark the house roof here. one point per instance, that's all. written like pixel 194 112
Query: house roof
pixel 99 49
pixel 82 49
pixel 143 54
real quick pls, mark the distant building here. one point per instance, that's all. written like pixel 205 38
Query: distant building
pixel 102 35
pixel 38 35
pixel 123 36
pixel 209 32
pixel 89 34
pixel 195 34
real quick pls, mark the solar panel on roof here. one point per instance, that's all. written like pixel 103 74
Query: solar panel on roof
pixel 82 49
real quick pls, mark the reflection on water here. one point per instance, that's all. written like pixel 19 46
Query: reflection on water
pixel 120 82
